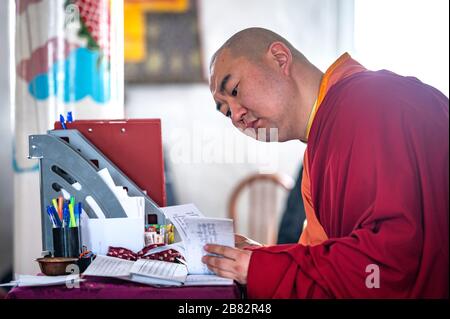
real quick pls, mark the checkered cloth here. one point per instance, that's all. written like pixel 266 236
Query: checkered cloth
pixel 169 255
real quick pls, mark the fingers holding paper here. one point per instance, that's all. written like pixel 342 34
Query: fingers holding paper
pixel 242 242
pixel 233 264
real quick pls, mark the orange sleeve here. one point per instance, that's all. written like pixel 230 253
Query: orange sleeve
pixel 313 234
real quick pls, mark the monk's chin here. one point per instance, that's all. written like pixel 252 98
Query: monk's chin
pixel 263 134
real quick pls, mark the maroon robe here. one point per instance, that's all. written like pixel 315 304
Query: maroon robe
pixel 379 174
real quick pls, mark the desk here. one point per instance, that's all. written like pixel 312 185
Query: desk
pixel 110 288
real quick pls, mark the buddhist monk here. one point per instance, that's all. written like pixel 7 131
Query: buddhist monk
pixel 375 181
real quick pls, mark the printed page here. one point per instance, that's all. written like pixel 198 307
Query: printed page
pixel 160 269
pixel 177 214
pixel 176 246
pixel 157 282
pixel 105 266
pixel 201 231
pixel 207 280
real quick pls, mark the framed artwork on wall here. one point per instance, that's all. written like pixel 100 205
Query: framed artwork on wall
pixel 162 42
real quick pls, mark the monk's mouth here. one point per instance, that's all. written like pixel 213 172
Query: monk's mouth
pixel 252 124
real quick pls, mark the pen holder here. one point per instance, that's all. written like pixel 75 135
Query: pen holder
pixel 58 242
pixel 66 242
pixel 72 242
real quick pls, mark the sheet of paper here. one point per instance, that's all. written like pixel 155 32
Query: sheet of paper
pixel 105 266
pixel 134 206
pixel 177 246
pixel 160 269
pixel 98 234
pixel 201 231
pixel 94 206
pixel 157 282
pixel 31 281
pixel 177 214
pixel 207 280
pixel 106 177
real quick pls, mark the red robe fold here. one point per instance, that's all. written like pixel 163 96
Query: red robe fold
pixel 379 173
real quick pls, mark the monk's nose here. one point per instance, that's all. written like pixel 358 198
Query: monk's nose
pixel 237 112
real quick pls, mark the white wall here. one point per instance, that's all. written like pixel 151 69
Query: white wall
pixel 188 112
pixel 409 37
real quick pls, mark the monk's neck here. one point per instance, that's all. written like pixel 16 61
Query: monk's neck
pixel 308 83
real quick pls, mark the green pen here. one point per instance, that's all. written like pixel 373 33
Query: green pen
pixel 71 210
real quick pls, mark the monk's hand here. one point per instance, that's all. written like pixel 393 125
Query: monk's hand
pixel 232 264
pixel 241 242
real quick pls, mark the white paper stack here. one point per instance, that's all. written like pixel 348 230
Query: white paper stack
pixel 134 206
pixel 100 233
pixel 31 281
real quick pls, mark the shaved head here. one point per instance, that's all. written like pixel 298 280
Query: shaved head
pixel 260 80
pixel 252 43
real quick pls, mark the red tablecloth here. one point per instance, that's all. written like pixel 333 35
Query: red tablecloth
pixel 109 288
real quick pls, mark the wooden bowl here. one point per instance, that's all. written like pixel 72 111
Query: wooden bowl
pixel 55 266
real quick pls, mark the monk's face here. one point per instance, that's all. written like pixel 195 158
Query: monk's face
pixel 253 94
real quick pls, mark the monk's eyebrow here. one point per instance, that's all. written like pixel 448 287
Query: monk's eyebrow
pixel 224 83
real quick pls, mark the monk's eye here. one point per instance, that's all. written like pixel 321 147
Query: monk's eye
pixel 235 91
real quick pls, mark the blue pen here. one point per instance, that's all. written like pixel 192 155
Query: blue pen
pixel 61 120
pixel 66 215
pixel 50 215
pixel 55 216
pixel 78 213
pixel 69 117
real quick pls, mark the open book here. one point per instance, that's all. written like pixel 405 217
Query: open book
pixel 150 272
pixel 195 230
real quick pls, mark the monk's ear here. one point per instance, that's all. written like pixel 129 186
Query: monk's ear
pixel 281 55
